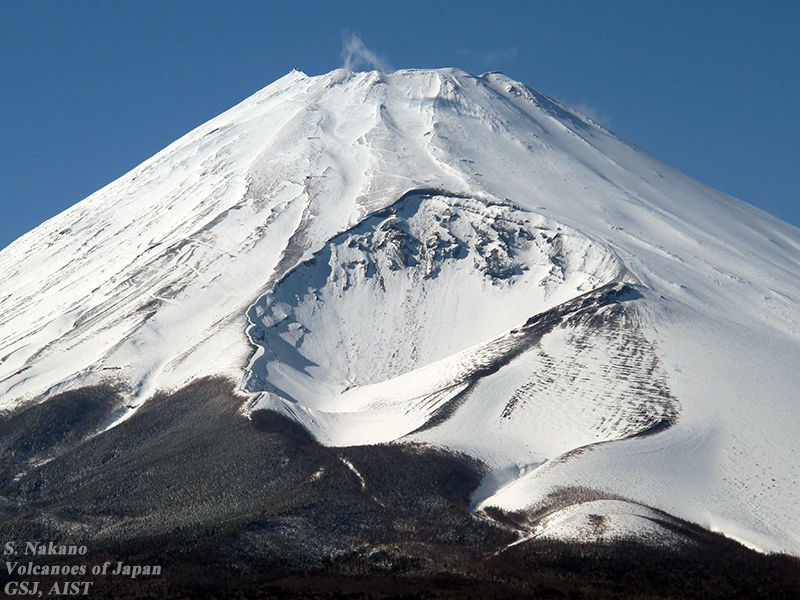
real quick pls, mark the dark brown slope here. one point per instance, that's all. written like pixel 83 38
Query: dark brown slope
pixel 230 507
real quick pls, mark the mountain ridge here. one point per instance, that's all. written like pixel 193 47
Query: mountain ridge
pixel 502 205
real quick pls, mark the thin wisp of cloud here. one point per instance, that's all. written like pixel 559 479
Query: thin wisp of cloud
pixel 356 55
pixel 595 115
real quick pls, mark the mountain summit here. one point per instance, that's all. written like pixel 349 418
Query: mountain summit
pixel 430 259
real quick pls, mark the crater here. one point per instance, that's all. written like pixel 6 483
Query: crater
pixel 430 276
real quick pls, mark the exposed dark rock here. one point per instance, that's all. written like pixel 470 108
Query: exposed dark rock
pixel 238 508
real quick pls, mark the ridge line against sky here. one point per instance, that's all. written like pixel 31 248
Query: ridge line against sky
pixel 90 90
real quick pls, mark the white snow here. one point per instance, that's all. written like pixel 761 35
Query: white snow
pixel 355 472
pixel 408 325
pixel 604 521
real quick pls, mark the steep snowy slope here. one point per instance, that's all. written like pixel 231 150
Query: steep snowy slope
pixel 429 256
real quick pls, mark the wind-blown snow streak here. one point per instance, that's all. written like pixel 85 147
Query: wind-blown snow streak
pixel 386 238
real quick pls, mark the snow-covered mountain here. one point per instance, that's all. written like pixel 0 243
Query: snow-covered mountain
pixel 437 258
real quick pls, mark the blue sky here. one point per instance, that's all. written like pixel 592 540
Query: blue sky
pixel 90 89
